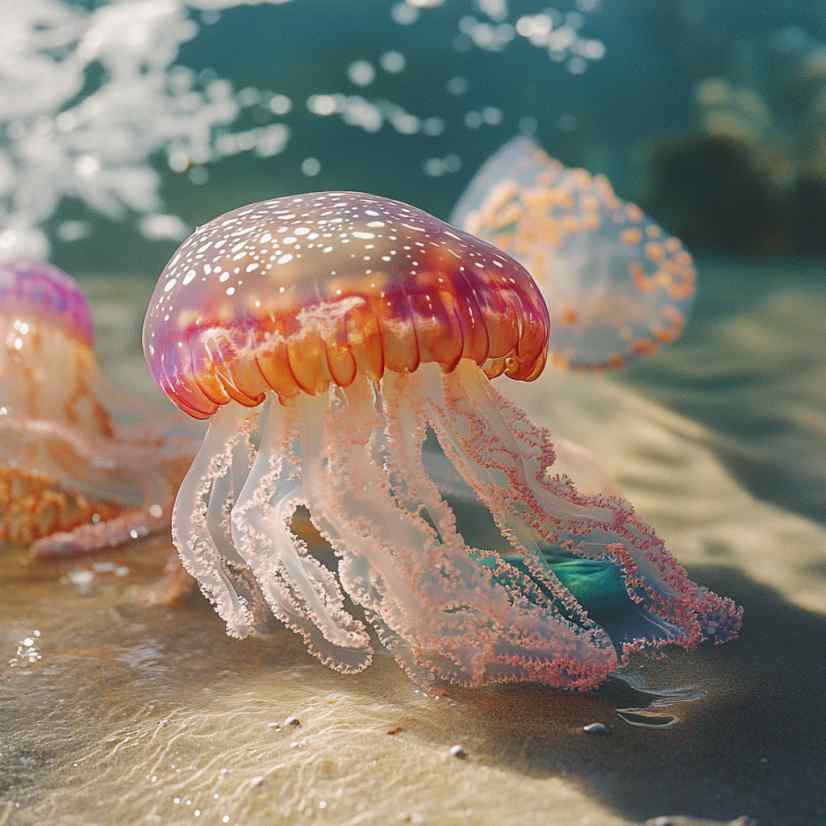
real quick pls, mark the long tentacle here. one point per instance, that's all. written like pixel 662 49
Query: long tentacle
pixel 382 552
pixel 506 460
pixel 534 638
pixel 225 493
pixel 300 591
pixel 407 419
pixel 361 570
pixel 425 594
pixel 190 528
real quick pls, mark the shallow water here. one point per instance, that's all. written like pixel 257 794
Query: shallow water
pixel 133 714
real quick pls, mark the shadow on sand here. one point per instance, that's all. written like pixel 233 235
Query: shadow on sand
pixel 754 745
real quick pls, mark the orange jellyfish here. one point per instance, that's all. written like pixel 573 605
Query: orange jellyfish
pixel 617 286
pixel 342 347
pixel 73 478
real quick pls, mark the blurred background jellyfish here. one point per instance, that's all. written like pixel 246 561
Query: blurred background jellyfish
pixel 616 284
pixel 75 476
pixel 341 346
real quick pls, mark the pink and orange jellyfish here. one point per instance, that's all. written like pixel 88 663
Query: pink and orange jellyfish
pixel 72 477
pixel 617 286
pixel 342 347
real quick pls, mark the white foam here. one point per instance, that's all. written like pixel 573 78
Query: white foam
pixel 97 147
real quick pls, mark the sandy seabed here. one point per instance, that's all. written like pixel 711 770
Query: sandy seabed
pixel 152 715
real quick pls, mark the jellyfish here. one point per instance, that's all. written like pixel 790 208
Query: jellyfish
pixel 343 347
pixel 77 473
pixel 618 286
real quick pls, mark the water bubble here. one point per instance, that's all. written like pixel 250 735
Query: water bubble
pixel 70 231
pixel 404 14
pixel 27 652
pixel 453 163
pixel 393 62
pixel 457 85
pixel 473 119
pixel 361 73
pixel 271 140
pixel 163 227
pixel 249 96
pixel 433 167
pixel 433 126
pixel 492 115
pixel 495 9
pixel 592 49
pixel 310 167
pixel 280 104
pixel 321 104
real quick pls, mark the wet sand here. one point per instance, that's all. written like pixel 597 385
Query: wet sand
pixel 149 715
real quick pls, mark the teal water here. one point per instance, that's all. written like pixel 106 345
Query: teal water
pixel 468 99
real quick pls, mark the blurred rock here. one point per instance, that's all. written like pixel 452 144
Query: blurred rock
pixel 717 192
pixel 751 176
